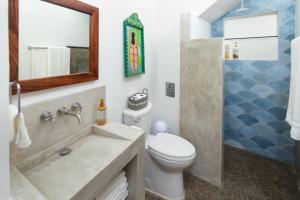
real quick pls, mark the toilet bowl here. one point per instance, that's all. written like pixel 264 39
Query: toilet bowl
pixel 166 156
pixel 172 152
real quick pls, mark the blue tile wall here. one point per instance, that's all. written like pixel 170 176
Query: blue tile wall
pixel 256 92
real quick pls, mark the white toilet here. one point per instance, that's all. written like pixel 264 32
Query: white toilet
pixel 166 156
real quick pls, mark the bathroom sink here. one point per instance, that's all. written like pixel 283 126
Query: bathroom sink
pixel 62 177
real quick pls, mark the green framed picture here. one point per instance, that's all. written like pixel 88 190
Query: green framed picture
pixel 134 55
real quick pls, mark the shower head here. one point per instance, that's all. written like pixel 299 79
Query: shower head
pixel 242 8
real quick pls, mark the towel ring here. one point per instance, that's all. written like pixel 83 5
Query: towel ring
pixel 18 86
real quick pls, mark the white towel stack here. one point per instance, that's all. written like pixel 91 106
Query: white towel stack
pixel 18 130
pixel 293 114
pixel 118 189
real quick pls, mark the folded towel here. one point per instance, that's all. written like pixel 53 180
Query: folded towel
pixel 13 112
pixel 117 186
pixel 121 195
pixel 113 194
pixel 293 114
pixel 117 194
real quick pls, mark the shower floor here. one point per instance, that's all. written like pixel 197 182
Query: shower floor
pixel 247 176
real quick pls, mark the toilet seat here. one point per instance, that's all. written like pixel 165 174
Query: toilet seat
pixel 171 147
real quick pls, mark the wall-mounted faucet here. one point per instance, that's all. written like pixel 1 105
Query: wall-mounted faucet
pixel 65 111
pixel 75 108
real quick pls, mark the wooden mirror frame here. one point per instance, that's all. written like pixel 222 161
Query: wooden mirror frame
pixel 51 82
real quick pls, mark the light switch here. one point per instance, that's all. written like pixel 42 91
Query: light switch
pixel 170 89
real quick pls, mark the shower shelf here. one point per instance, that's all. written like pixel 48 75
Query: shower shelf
pixel 246 38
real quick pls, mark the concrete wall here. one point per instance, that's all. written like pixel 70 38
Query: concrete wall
pixel 4 136
pixel 202 103
pixel 185 26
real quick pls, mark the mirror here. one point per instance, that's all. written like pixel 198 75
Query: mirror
pixel 53 43
pixel 53 40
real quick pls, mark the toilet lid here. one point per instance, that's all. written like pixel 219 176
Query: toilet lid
pixel 171 147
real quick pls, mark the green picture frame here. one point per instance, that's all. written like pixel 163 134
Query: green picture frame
pixel 134 50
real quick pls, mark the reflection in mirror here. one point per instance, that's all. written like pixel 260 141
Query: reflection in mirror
pixel 53 40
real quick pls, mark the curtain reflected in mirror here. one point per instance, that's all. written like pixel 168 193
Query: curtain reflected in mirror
pixel 53 40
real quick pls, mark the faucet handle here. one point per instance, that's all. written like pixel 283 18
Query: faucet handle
pixel 47 116
pixel 76 107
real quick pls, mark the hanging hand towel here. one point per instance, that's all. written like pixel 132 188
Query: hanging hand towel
pixel 13 112
pixel 59 61
pixel 39 63
pixel 23 140
pixel 18 130
pixel 293 113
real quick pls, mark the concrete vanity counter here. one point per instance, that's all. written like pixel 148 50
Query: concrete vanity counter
pixel 98 155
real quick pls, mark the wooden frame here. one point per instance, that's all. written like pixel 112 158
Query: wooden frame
pixel 51 82
pixel 134 24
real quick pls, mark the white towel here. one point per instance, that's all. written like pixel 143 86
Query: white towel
pixel 22 138
pixel 59 61
pixel 39 63
pixel 121 195
pixel 13 112
pixel 117 187
pixel 18 130
pixel 293 113
pixel 118 192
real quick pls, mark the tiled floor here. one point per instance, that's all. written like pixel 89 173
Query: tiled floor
pixel 246 177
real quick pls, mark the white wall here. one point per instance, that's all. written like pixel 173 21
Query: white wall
pixel 218 9
pixel 64 27
pixel 297 17
pixel 112 15
pixel 4 138
pixel 162 49
pixel 256 26
pixel 168 56
pixel 193 27
pixel 200 28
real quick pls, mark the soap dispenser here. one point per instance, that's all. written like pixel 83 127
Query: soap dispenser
pixel 101 120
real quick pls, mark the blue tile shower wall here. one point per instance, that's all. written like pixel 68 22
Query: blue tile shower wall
pixel 256 92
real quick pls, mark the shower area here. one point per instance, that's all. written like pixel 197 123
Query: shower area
pixel 237 102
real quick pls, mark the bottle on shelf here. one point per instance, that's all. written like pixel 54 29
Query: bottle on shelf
pixel 227 52
pixel 235 51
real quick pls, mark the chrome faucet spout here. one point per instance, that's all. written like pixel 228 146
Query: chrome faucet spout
pixel 79 118
pixel 65 111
